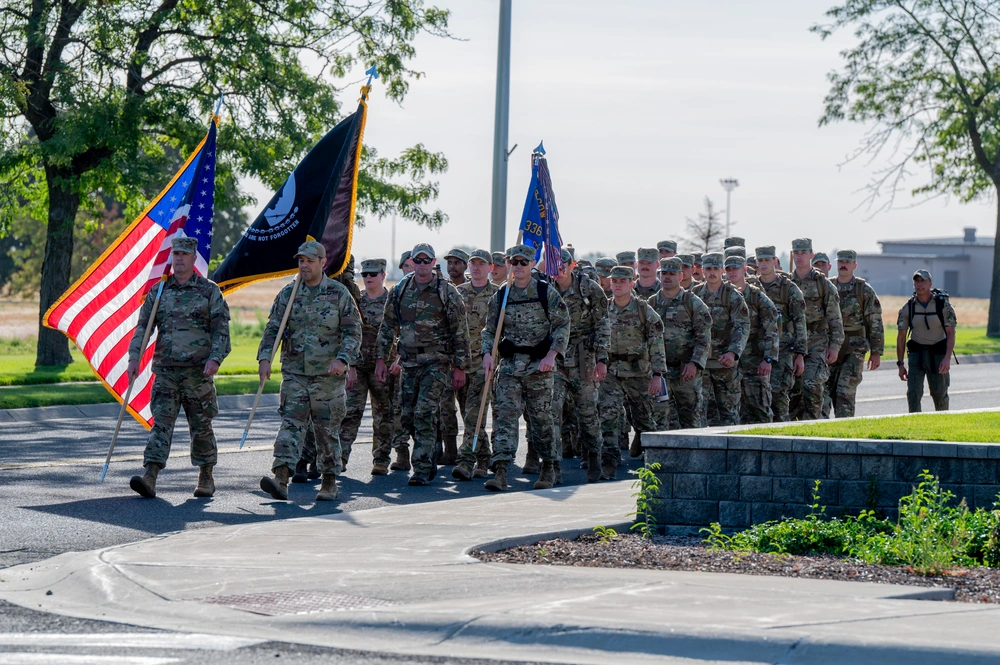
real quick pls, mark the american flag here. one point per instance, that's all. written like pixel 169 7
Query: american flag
pixel 100 311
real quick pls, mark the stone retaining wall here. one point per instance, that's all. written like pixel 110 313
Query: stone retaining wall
pixel 740 480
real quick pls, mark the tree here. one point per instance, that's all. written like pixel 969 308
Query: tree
pixel 95 96
pixel 705 234
pixel 925 76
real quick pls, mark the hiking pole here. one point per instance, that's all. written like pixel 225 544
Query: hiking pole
pixel 131 379
pixel 277 340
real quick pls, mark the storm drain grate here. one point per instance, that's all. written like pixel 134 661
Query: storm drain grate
pixel 281 603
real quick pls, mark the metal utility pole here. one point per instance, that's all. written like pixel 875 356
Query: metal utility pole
pixel 728 184
pixel 498 217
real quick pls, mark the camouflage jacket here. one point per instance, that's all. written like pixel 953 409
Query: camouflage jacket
pixel 823 323
pixel 687 329
pixel 588 317
pixel 636 348
pixel 787 298
pixel 372 311
pixel 192 324
pixel 324 325
pixel 431 326
pixel 527 324
pixel 861 313
pixel 765 338
pixel 646 292
pixel 730 321
pixel 477 307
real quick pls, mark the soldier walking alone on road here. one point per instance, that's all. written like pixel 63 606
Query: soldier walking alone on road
pixel 862 315
pixel 930 320
pixel 192 323
pixel 321 341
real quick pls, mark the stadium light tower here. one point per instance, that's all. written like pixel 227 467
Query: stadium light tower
pixel 728 184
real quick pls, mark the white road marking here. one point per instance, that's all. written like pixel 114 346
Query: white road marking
pixel 199 641
pixel 950 393
pixel 7 658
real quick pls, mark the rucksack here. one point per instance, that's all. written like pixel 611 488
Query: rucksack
pixel 938 296
pixel 543 298
pixel 397 293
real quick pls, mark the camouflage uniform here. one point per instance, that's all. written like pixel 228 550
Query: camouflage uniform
pixel 764 342
pixel 192 324
pixel 861 312
pixel 477 304
pixel 687 337
pixel 324 325
pixel 433 341
pixel 730 331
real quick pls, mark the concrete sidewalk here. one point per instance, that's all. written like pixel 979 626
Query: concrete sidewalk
pixel 398 580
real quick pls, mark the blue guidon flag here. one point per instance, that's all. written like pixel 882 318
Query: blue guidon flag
pixel 540 219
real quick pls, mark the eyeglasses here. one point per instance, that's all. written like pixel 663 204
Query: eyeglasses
pixel 519 262
pixel 370 274
pixel 423 262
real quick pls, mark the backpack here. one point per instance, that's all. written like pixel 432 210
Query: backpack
pixel 397 293
pixel 543 298
pixel 938 296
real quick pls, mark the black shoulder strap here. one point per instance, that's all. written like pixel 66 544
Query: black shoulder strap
pixel 941 298
pixel 398 294
pixel 543 296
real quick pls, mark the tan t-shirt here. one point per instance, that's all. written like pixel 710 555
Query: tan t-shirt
pixel 926 325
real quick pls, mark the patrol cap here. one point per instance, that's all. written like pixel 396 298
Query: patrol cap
pixel 736 250
pixel 313 249
pixel 923 274
pixel 482 255
pixel 712 260
pixel 456 253
pixel 697 258
pixel 847 255
pixel 589 272
pixel 566 256
pixel 522 251
pixel 572 251
pixel 627 257
pixel 186 244
pixel 584 263
pixel 752 261
pixel 734 241
pixel 604 265
pixel 735 261
pixel 423 248
pixel 498 258
pixel 765 252
pixel 650 254
pixel 403 259
pixel 820 257
pixel 622 272
pixel 673 264
pixel 373 265
pixel 668 245
pixel 802 245
pixel 686 259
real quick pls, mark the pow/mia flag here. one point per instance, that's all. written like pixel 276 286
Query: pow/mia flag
pixel 317 199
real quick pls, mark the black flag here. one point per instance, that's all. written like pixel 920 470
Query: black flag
pixel 317 199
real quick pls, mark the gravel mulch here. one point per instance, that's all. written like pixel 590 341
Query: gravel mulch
pixel 972 585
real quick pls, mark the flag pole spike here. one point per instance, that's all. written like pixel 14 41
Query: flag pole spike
pixel 540 149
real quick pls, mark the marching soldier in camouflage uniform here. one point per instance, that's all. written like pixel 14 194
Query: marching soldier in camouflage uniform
pixel 192 323
pixel 788 300
pixel 476 293
pixel 400 437
pixel 734 241
pixel 648 283
pixel 372 308
pixel 535 331
pixel 603 268
pixel 498 272
pixel 667 249
pixel 730 331
pixel 585 363
pixel 321 341
pixel 825 328
pixel 427 315
pixel 763 346
pixel 862 315
pixel 458 261
pixel 696 273
pixel 635 369
pixel 687 338
pixel 627 258
pixel 687 271
pixel 821 262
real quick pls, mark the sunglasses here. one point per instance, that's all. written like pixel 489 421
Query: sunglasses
pixel 370 274
pixel 423 262
pixel 519 262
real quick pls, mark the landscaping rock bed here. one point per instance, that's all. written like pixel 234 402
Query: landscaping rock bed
pixel 973 585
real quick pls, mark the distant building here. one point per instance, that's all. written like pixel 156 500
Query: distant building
pixel 962 265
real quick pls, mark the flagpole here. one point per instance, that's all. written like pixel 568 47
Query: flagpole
pixel 132 378
pixel 277 340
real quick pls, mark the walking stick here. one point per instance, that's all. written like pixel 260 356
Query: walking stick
pixel 131 379
pixel 277 340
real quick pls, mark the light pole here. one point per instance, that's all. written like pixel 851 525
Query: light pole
pixel 498 217
pixel 728 184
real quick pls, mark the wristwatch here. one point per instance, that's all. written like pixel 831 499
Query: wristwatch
pixel 767 359
pixel 900 363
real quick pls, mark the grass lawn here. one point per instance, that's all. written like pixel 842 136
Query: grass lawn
pixel 969 341
pixel 968 427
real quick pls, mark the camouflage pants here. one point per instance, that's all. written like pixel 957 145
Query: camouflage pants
pixel 422 391
pixel 311 403
pixel 174 387
pixel 807 396
pixel 470 396
pixel 381 400
pixel 755 406
pixel 723 395
pixel 615 392
pixel 400 436
pixel 845 377
pixel 568 385
pixel 827 397
pixel 568 435
pixel 687 400
pixel 517 395
pixel 782 382
pixel 448 424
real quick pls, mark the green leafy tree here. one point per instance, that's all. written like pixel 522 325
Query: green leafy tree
pixel 97 97
pixel 924 75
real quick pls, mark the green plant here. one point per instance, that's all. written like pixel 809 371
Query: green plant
pixel 605 534
pixel 542 552
pixel 647 498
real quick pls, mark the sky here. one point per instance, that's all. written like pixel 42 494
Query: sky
pixel 643 106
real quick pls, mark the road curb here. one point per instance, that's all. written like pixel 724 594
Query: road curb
pixel 43 413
